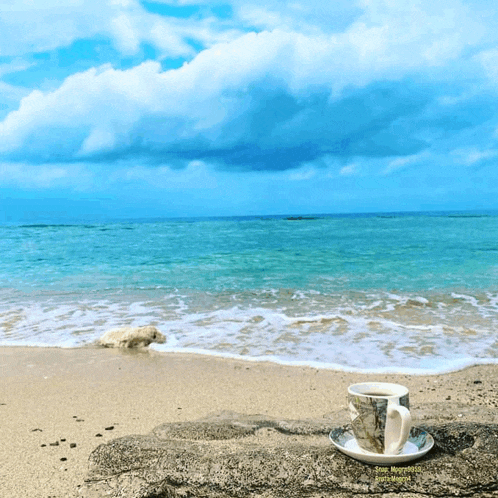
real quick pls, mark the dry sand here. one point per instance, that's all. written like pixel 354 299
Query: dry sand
pixel 57 405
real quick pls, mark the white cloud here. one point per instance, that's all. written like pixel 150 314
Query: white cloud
pixel 84 101
pixel 23 175
pixel 14 66
pixel 349 170
pixel 310 16
pixel 11 94
pixel 381 33
pixel 400 163
pixel 125 33
pixel 473 156
pixel 302 174
pixel 29 26
pixel 99 140
pixel 38 25
pixel 489 61
pixel 412 34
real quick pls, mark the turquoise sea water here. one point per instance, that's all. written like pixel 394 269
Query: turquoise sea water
pixel 392 292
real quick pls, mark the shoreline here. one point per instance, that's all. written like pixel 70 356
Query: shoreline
pixel 58 404
pixel 454 366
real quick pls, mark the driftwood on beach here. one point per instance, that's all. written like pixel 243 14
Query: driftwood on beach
pixel 229 455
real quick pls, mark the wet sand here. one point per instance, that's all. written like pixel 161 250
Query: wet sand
pixel 57 405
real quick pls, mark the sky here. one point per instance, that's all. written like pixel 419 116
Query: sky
pixel 115 109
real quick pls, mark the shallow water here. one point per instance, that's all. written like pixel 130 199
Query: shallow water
pixel 414 292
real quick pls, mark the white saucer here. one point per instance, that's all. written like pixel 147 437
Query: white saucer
pixel 418 444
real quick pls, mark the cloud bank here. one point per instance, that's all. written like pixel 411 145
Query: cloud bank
pixel 269 88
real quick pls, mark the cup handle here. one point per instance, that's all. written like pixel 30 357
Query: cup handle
pixel 398 426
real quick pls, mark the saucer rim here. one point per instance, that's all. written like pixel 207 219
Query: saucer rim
pixel 381 459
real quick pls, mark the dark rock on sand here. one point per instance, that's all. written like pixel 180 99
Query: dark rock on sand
pixel 230 455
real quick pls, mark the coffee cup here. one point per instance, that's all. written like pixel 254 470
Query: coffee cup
pixel 380 416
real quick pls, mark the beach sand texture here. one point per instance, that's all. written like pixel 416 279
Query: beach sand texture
pixel 57 405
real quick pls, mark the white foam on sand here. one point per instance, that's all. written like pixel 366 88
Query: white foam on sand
pixel 390 333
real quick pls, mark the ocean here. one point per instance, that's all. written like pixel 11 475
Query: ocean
pixel 400 292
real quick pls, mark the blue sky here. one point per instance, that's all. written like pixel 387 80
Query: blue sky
pixel 127 108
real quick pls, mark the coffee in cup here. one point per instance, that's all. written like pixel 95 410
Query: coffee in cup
pixel 380 416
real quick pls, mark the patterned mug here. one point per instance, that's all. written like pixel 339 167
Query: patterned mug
pixel 380 416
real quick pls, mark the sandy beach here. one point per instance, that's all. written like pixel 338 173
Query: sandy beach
pixel 57 405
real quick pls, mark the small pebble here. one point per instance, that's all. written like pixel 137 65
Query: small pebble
pixel 98 435
pixel 63 459
pixel 55 444
pixel 63 440
pixel 43 445
pixel 72 445
pixel 110 428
